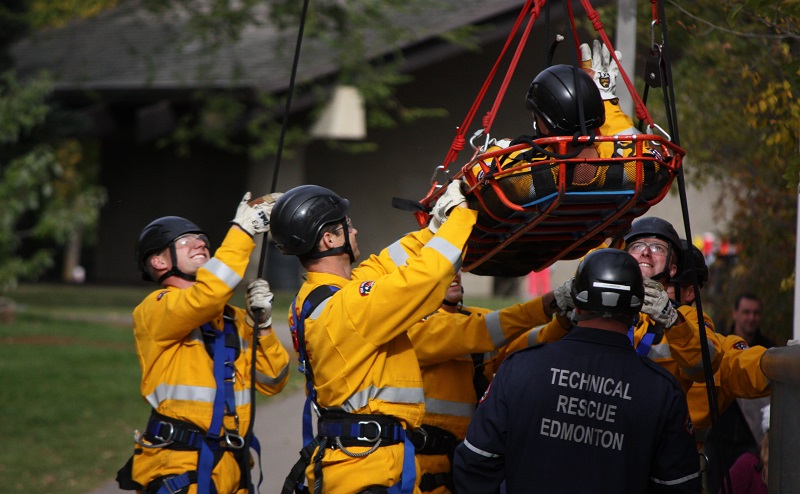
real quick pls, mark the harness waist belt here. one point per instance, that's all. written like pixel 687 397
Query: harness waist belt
pixel 177 434
pixel 355 429
pixel 432 440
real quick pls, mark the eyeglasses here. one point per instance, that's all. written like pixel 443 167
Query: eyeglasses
pixel 655 249
pixel 190 240
pixel 349 226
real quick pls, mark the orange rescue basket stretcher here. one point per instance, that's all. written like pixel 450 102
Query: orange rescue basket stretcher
pixel 535 213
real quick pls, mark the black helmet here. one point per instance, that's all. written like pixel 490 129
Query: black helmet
pixel 657 228
pixel 556 95
pixel 608 282
pixel 300 214
pixel 158 235
pixel 684 277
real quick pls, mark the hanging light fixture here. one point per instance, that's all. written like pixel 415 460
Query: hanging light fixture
pixel 344 116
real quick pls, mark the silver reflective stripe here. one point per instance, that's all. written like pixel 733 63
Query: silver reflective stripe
pixel 480 451
pixel 272 381
pixel 195 335
pixel 318 310
pixel 242 397
pixel 398 254
pixel 223 272
pixel 495 329
pixel 389 394
pixel 660 351
pixel 676 481
pixel 202 394
pixel 452 408
pixel 448 250
pixel 533 335
pixel 698 369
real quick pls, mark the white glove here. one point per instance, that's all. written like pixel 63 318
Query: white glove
pixel 657 304
pixel 259 297
pixel 563 296
pixel 604 67
pixel 451 198
pixel 253 219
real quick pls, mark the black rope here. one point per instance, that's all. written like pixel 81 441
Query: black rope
pixel 669 97
pixel 262 264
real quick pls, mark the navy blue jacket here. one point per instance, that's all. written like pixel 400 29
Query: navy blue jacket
pixel 583 414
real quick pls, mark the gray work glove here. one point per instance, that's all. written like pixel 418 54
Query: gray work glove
pixel 604 67
pixel 563 296
pixel 657 304
pixel 253 216
pixel 451 198
pixel 259 297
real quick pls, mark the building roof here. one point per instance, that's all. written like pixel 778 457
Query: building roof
pixel 130 48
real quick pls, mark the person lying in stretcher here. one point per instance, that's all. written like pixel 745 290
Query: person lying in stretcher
pixel 567 101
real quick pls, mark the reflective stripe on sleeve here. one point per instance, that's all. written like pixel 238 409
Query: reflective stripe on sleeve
pixel 272 381
pixel 202 394
pixel 676 481
pixel 398 254
pixel 223 272
pixel 451 408
pixel 533 335
pixel 495 329
pixel 480 451
pixel 659 352
pixel 448 250
pixel 389 394
pixel 662 351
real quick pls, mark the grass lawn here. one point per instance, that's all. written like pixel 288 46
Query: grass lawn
pixel 71 387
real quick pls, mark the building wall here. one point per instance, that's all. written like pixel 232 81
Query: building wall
pixel 145 182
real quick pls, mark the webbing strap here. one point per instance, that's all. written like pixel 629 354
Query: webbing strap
pixel 409 476
pixel 297 328
pixel 224 402
pixel 643 349
pixel 175 484
pixel 311 302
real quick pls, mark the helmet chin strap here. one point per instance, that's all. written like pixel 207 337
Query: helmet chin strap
pixel 347 247
pixel 174 271
pixel 665 275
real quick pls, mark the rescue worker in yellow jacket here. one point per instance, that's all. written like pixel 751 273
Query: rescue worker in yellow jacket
pixel 351 326
pixel 451 345
pixel 196 358
pixel 739 374
pixel 667 333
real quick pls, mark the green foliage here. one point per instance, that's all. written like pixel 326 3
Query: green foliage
pixel 55 13
pixel 734 69
pixel 348 33
pixel 48 180
pixel 27 171
pixel 72 384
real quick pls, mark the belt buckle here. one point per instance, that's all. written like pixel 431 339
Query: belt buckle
pixel 168 439
pixel 377 436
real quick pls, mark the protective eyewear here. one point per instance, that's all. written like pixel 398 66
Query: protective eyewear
pixel 190 240
pixel 349 226
pixel 655 249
